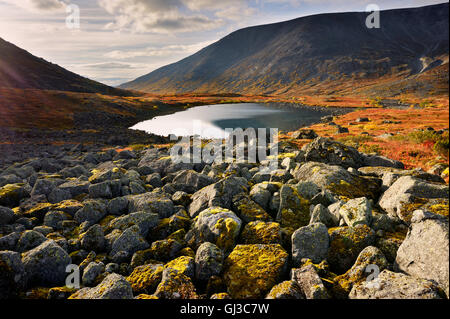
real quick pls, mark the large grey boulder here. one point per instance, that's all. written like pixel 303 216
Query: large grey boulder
pixel 217 225
pixel 327 151
pixel 321 214
pixel 310 242
pixel 130 241
pixel 114 286
pixel 12 274
pixel 425 251
pixel 357 211
pixel 309 282
pixel 408 194
pixel 144 220
pixel 190 181
pixel 338 180
pixel 30 239
pixel 158 203
pixel 75 187
pixel 92 212
pixel 293 211
pixel 220 194
pixel 46 264
pixel 208 261
pixel 93 239
pixel 6 215
pixel 391 285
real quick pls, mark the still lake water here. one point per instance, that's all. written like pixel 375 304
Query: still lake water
pixel 210 121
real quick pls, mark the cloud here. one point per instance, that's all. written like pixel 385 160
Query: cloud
pixel 157 51
pixel 37 5
pixel 173 16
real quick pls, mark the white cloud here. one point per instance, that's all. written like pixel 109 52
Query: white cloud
pixel 157 51
pixel 37 5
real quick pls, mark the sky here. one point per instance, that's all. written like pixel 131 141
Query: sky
pixel 119 40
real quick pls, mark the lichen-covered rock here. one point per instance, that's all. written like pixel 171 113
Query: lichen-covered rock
pixel 338 180
pixel 118 206
pixel 392 285
pixel 75 187
pixel 217 225
pixel 260 232
pixel 250 271
pixel 322 214
pixel 310 283
pixel 144 220
pixel 12 194
pixel 286 290
pixel 151 202
pixel 130 241
pixel 183 265
pixel 93 239
pixel 91 273
pixel 190 181
pixel 294 211
pixel 248 210
pixel 208 261
pixel 6 215
pixel 166 249
pixel 357 211
pixel 261 195
pixel 327 151
pixel 408 194
pixel 307 190
pixel 370 256
pixel 345 245
pixel 145 279
pixel 46 264
pixel 113 287
pixel 425 251
pixel 93 211
pixel 29 239
pixel 12 274
pixel 100 190
pixel 220 194
pixel 310 242
pixel 175 285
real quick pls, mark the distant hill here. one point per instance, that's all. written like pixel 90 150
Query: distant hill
pixel 22 70
pixel 327 53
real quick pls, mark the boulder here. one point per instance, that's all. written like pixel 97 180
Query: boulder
pixel 46 264
pixel 220 194
pixel 130 241
pixel 144 279
pixel 93 239
pixel 113 287
pixel 309 282
pixel 357 211
pixel 6 215
pixel 408 194
pixel 346 243
pixel 322 214
pixel 144 220
pixel 288 289
pixel 260 232
pixel 175 285
pixel 12 274
pixel 310 242
pixel 338 180
pixel 391 285
pixel 190 181
pixel 208 261
pixel 153 202
pixel 217 225
pixel 12 194
pixel 331 152
pixel 425 251
pixel 248 210
pixel 293 212
pixel 250 271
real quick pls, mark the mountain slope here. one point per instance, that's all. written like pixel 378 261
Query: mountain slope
pixel 22 70
pixel 302 54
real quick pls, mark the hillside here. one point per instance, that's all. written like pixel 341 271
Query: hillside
pixel 21 70
pixel 321 54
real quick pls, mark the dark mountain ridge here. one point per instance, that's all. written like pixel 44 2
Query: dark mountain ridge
pixel 303 53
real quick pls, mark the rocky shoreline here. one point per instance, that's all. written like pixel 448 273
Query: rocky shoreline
pixel 136 225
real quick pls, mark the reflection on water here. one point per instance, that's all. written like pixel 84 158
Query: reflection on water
pixel 210 121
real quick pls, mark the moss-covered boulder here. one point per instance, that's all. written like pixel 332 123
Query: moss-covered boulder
pixel 12 194
pixel 260 232
pixel 175 285
pixel 286 290
pixel 345 245
pixel 250 271
pixel 370 256
pixel 114 286
pixel 145 279
pixel 217 225
pixel 248 210
pixel 294 210
pixel 183 265
pixel 338 180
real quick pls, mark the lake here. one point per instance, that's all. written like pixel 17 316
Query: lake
pixel 210 121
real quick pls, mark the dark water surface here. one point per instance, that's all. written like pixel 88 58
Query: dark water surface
pixel 210 121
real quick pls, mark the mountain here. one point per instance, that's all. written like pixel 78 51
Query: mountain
pixel 324 53
pixel 22 70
